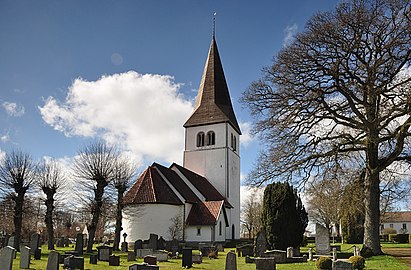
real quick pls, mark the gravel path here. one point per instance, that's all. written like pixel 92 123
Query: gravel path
pixel 403 254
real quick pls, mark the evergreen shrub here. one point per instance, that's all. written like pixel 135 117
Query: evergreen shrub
pixel 324 263
pixel 358 262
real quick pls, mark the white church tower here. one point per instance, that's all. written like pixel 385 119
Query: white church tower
pixel 212 138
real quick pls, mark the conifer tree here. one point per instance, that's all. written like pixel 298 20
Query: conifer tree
pixel 284 217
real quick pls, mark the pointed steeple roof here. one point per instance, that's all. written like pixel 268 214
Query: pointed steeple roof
pixel 213 103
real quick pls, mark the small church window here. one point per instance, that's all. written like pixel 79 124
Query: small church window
pixel 198 230
pixel 235 144
pixel 200 139
pixel 210 138
pixel 220 230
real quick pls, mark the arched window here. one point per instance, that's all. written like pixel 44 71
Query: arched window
pixel 200 139
pixel 210 138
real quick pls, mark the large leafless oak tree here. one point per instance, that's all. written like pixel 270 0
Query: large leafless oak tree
pixel 340 91
pixel 17 173
pixel 94 168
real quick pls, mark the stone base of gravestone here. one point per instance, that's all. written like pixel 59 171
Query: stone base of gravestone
pixel 265 264
pixel 114 260
pixel 141 253
pixel 280 256
pixel 37 254
pixel 152 260
pixel 93 258
pixel 187 260
pixel 143 266
pixel 131 256
pixel 25 257
pixel 53 260
pixel 231 261
pixel 342 265
pixel 161 255
pixel 197 258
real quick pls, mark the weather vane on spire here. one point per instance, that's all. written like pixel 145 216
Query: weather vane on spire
pixel 214 15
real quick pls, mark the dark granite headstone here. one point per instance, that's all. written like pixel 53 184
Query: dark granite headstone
pixel 131 256
pixel 79 244
pixel 37 254
pixel 72 262
pixel 138 244
pixel 93 258
pixel 260 244
pixel 34 242
pixel 265 264
pixel 152 260
pixel 124 247
pixel 161 243
pixel 152 242
pixel 114 260
pixel 143 266
pixel 187 261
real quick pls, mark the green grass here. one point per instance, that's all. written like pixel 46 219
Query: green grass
pixel 380 262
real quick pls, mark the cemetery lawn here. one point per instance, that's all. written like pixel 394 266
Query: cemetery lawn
pixel 385 262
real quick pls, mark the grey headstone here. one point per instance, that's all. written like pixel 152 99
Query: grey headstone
pixel 114 260
pixel 143 266
pixel 124 247
pixel 138 244
pixel 53 261
pixel 131 256
pixel 231 261
pixel 322 240
pixel 104 252
pixel 265 264
pixel 153 241
pixel 141 253
pixel 290 252
pixel 162 256
pixel 11 241
pixel 161 243
pixel 260 244
pixel 197 258
pixel 6 257
pixel 93 258
pixel 25 257
pixel 34 242
pixel 342 265
pixel 79 244
pixel 280 256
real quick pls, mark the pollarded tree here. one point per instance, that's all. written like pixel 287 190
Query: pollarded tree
pixel 51 181
pixel 17 173
pixel 284 218
pixel 94 168
pixel 341 91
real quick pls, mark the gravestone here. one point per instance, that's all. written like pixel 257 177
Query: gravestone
pixel 260 244
pixel 280 256
pixel 79 244
pixel 356 251
pixel 10 242
pixel 162 256
pixel 265 264
pixel 231 261
pixel 53 260
pixel 114 260
pixel 248 259
pixel 152 260
pixel 131 256
pixel 124 247
pixel 174 247
pixel 7 255
pixel 104 252
pixel 93 258
pixel 310 254
pixel 143 266
pixel 197 258
pixel 34 242
pixel 138 244
pixel 60 242
pixel 342 265
pixel 334 254
pixel 187 260
pixel 153 241
pixel 161 243
pixel 25 257
pixel 290 252
pixel 141 253
pixel 72 262
pixel 322 240
pixel 245 250
pixel 37 254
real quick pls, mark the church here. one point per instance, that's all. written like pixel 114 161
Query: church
pixel 199 201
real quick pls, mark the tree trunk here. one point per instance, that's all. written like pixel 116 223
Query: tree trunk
pixel 372 214
pixel 119 217
pixel 49 220
pixel 18 219
pixel 99 191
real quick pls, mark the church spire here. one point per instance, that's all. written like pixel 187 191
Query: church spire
pixel 213 104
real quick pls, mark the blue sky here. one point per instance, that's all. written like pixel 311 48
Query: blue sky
pixel 128 71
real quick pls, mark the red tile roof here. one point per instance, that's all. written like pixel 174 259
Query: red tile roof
pixel 397 217
pixel 202 185
pixel 205 213
pixel 151 188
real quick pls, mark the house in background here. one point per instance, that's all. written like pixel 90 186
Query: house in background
pixel 399 221
pixel 199 201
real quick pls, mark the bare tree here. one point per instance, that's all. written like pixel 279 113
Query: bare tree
pixel 251 213
pixel 17 173
pixel 94 167
pixel 175 230
pixel 123 173
pixel 51 180
pixel 340 90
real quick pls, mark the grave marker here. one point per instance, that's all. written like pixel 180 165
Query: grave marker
pixel 6 257
pixel 25 257
pixel 53 260
pixel 231 261
pixel 322 240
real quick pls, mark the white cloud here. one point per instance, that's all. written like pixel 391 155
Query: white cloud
pixel 289 32
pixel 143 113
pixel 246 137
pixel 247 191
pixel 13 109
pixel 5 138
